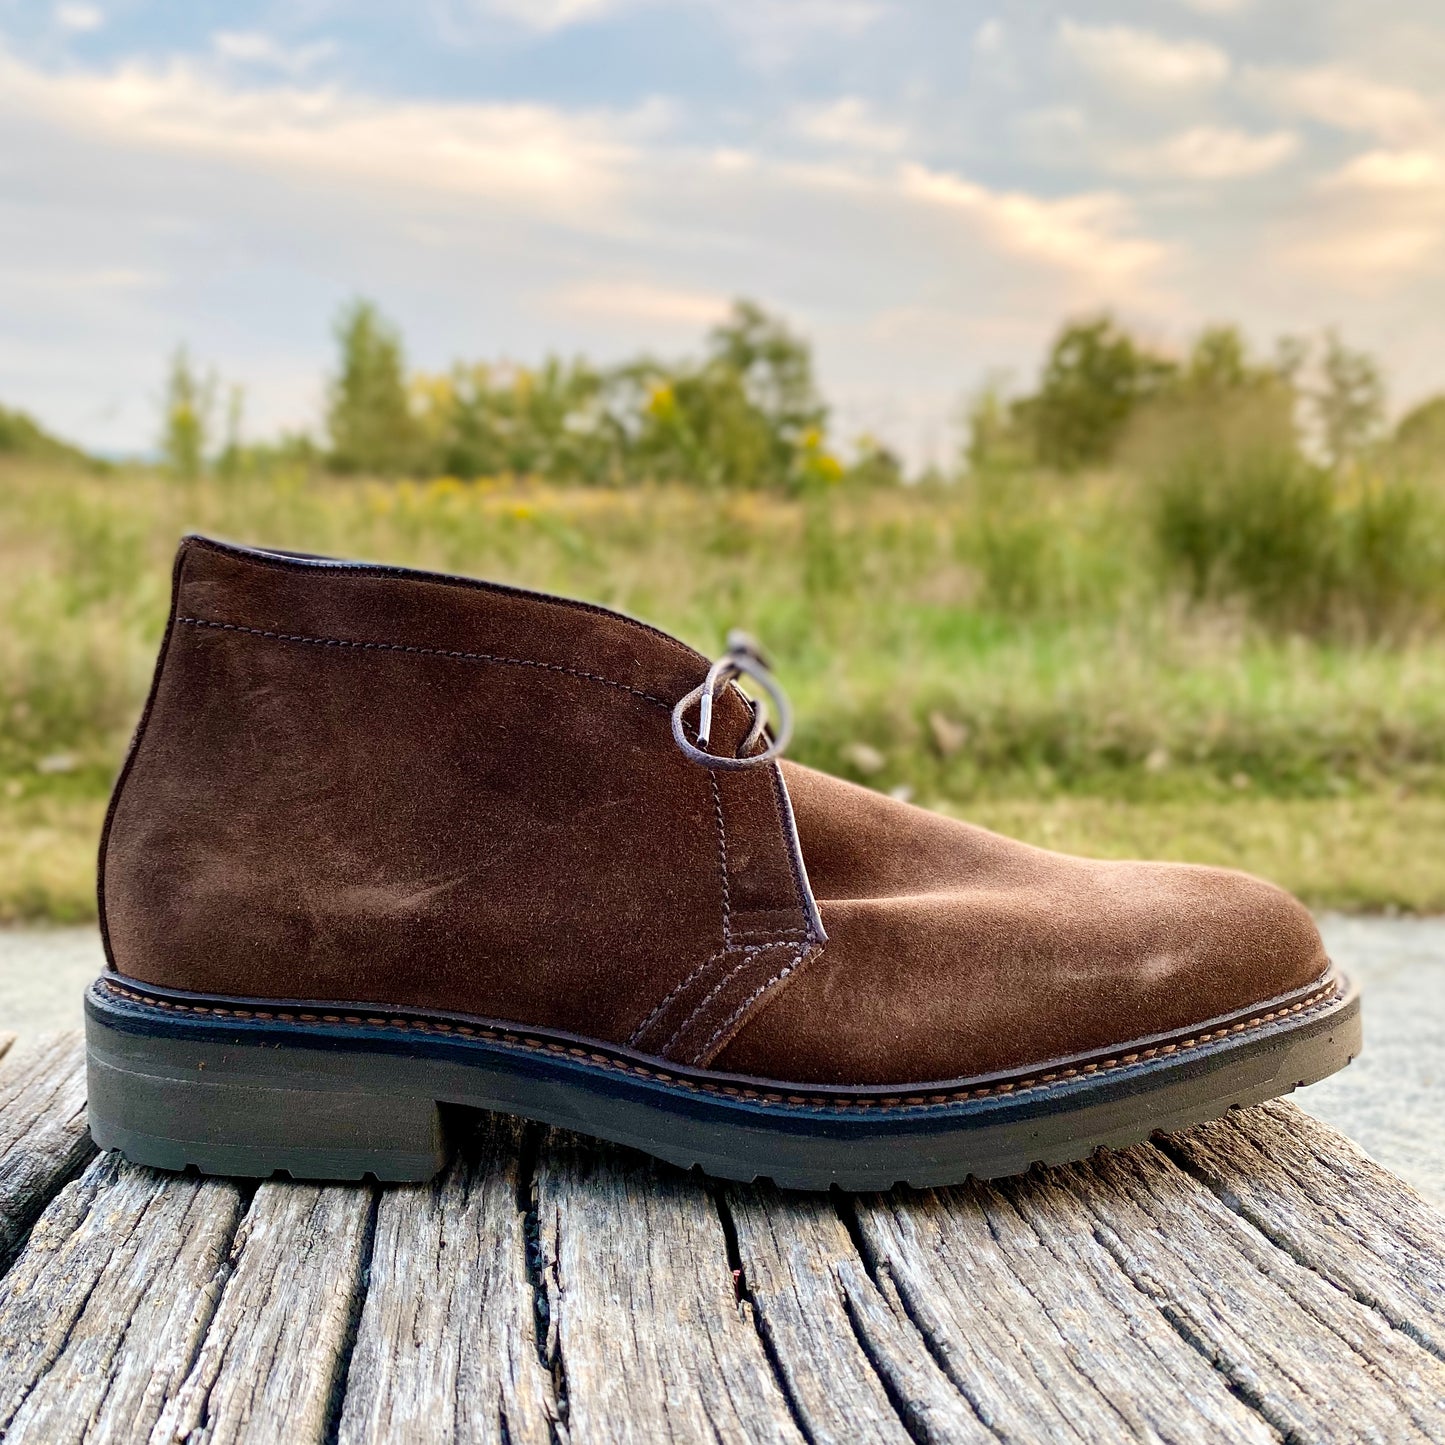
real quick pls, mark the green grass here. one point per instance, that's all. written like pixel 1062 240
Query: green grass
pixel 1029 664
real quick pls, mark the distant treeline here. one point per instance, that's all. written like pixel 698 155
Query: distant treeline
pixel 747 413
pixel 1104 396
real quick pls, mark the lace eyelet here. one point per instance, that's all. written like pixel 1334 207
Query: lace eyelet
pixel 743 658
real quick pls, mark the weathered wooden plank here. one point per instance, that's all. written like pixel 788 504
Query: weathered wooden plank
pixel 1315 1361
pixel 852 1364
pixel 43 1138
pixel 275 1351
pixel 447 1348
pixel 1254 1278
pixel 1036 1324
pixel 1332 1207
pixel 650 1340
pixel 103 1311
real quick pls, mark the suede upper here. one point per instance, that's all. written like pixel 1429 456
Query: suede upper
pixel 362 784
pixel 359 784
pixel 948 944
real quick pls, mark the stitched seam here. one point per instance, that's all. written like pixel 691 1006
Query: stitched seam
pixel 652 1018
pixel 750 948
pixel 717 988
pixel 855 1103
pixel 692 978
pixel 722 843
pixel 795 962
pixel 423 652
pixel 333 566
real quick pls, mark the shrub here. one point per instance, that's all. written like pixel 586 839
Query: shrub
pixel 1419 439
pixel 22 436
pixel 1300 548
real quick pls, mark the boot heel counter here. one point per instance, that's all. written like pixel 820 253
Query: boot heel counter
pixel 111 889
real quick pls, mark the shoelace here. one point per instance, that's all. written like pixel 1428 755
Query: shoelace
pixel 743 658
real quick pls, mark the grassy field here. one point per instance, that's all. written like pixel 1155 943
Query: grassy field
pixel 1024 661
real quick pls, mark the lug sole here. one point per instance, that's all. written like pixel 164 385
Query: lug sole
pixel 239 1096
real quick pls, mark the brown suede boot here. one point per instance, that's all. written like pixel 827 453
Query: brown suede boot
pixel 388 841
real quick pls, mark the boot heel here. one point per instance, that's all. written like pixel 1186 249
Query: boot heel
pixel 252 1110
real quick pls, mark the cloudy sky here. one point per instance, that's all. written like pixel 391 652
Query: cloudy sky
pixel 925 188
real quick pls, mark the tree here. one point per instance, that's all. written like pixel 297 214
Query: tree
pixel 1349 403
pixel 1095 377
pixel 481 419
pixel 189 403
pixel 1219 363
pixel 368 416
pixel 746 416
pixel 776 368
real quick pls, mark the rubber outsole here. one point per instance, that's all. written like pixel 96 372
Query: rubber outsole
pixel 183 1085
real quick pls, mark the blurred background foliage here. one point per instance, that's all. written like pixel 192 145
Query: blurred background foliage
pixel 1187 605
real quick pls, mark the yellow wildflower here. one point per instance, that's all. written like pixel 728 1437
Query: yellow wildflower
pixel 662 402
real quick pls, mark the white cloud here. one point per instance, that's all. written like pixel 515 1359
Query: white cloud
pixel 1345 99
pixel 90 279
pixel 1379 221
pixel 1376 224
pixel 600 172
pixel 990 37
pixel 1386 170
pixel 641 301
pixel 253 47
pixel 1091 236
pixel 1142 60
pixel 850 123
pixel 774 33
pixel 1370 255
pixel 550 15
pixel 79 18
pixel 1208 153
pixel 525 154
pixel 1218 7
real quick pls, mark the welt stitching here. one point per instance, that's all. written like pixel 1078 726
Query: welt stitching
pixel 424 652
pixel 717 988
pixel 795 960
pixel 881 1103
